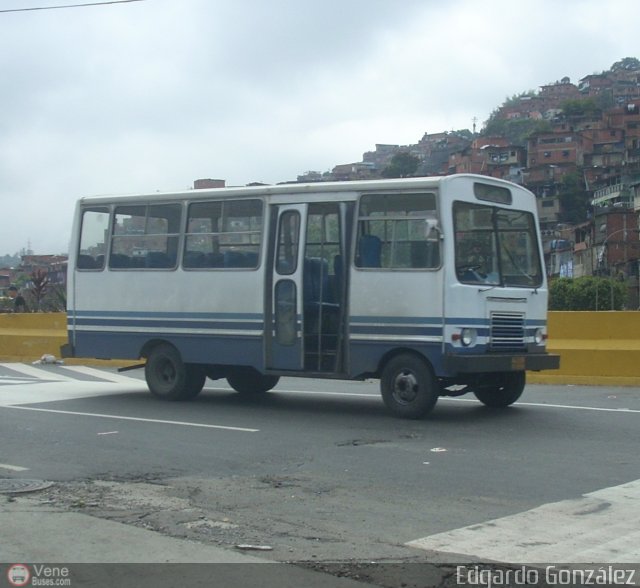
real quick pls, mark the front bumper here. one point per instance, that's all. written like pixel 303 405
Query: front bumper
pixel 508 362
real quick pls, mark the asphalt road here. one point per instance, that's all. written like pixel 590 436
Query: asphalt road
pixel 317 471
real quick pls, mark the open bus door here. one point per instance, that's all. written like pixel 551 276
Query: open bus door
pixel 307 290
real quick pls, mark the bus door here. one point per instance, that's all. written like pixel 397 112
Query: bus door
pixel 325 286
pixel 284 285
pixel 307 290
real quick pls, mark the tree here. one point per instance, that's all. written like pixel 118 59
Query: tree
pixel 574 200
pixel 516 130
pixel 580 107
pixel 587 293
pixel 626 64
pixel 40 283
pixel 402 165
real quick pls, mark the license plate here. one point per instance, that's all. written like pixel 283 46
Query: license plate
pixel 517 363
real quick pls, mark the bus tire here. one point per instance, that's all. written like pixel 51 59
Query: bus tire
pixel 169 378
pixel 505 389
pixel 251 381
pixel 408 387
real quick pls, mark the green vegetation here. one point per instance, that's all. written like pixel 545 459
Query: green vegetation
pixel 516 130
pixel 574 199
pixel 403 165
pixel 587 293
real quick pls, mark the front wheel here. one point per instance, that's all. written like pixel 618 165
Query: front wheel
pixel 169 378
pixel 408 387
pixel 504 389
pixel 251 381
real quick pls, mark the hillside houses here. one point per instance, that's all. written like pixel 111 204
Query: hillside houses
pixel 579 154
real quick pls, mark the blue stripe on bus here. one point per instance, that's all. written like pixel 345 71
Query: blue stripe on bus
pixel 168 324
pixel 166 315
pixel 395 330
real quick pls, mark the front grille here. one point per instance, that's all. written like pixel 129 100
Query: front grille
pixel 507 331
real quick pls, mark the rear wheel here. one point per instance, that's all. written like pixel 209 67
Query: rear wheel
pixel 503 390
pixel 169 378
pixel 409 388
pixel 251 381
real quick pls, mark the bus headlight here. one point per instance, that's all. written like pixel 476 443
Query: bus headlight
pixel 468 337
pixel 540 337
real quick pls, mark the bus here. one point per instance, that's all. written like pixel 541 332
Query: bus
pixel 434 286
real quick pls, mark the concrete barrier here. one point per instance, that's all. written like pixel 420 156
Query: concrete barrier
pixel 26 337
pixel 597 348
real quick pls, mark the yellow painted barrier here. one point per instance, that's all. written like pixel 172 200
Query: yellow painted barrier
pixel 26 337
pixel 595 347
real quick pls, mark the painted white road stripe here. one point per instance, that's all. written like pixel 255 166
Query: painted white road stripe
pixel 10 381
pixel 544 405
pixel 137 419
pixel 103 375
pixel 41 391
pixel 34 372
pixel 602 526
pixel 6 466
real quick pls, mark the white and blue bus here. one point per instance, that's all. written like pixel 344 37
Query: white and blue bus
pixel 435 286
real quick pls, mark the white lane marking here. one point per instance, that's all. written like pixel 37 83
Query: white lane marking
pixel 543 405
pixel 602 526
pixel 34 372
pixel 472 400
pixel 137 419
pixel 10 381
pixel 13 468
pixel 103 375
pixel 68 390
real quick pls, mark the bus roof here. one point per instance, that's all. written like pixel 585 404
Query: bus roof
pixel 295 188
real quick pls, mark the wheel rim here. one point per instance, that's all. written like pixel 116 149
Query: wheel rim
pixel 405 387
pixel 166 372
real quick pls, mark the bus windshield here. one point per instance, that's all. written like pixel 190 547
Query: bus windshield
pixel 496 246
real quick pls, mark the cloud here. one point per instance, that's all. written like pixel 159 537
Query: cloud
pixel 151 95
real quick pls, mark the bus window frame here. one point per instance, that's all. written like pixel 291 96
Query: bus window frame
pixel 185 234
pixel 436 213
pixel 147 205
pixel 106 209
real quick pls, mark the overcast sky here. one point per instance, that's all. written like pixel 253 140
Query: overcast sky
pixel 151 95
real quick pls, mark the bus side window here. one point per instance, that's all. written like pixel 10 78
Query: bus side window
pixel 393 231
pixel 95 223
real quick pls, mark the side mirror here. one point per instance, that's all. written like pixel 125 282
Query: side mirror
pixel 432 230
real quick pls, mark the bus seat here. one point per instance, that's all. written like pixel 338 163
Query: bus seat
pixel 119 260
pixel 251 258
pixel 316 280
pixel 338 269
pixel 86 262
pixel 214 260
pixel 193 259
pixel 370 251
pixel 158 259
pixel 234 259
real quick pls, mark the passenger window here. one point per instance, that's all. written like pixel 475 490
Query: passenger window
pixel 394 232
pixel 223 234
pixel 288 242
pixel 93 238
pixel 145 236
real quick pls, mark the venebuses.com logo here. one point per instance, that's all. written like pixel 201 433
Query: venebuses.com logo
pixel 18 575
pixel 38 575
